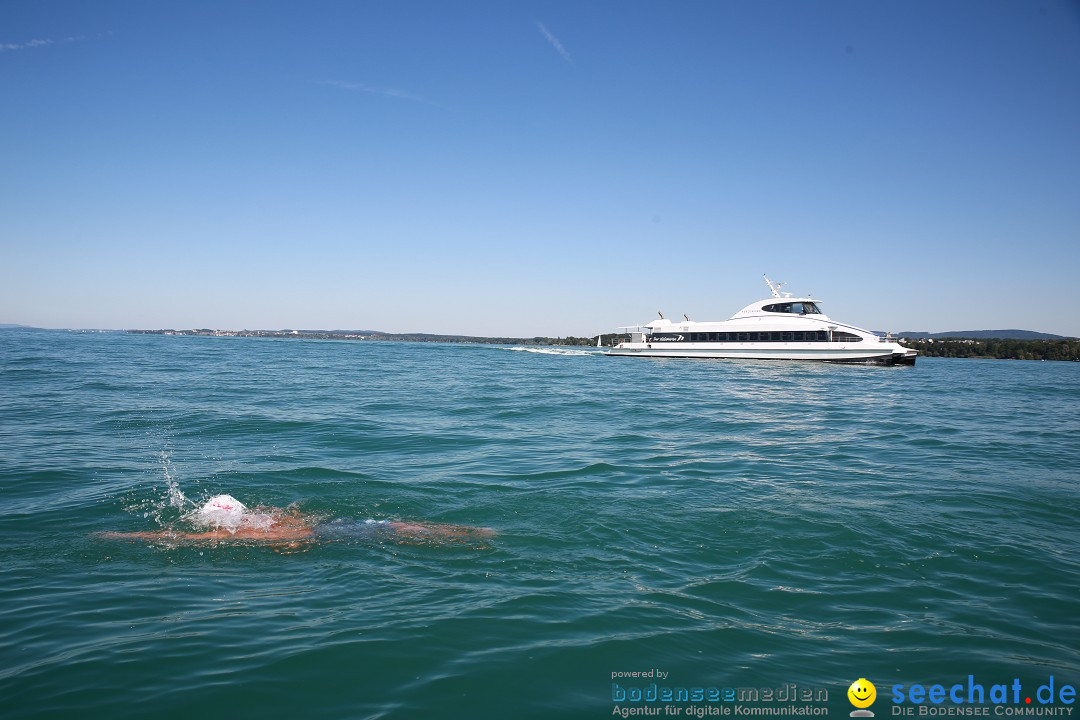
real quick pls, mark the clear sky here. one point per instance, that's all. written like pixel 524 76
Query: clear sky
pixel 538 168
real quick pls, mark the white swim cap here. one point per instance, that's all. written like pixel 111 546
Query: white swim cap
pixel 221 511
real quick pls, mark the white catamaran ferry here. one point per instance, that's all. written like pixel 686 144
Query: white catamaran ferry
pixel 780 328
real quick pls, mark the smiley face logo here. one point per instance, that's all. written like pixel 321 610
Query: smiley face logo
pixel 862 693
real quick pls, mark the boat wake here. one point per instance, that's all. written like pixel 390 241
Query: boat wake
pixel 553 351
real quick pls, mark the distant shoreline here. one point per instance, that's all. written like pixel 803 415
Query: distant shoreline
pixel 379 336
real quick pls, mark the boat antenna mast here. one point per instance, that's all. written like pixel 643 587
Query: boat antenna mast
pixel 775 287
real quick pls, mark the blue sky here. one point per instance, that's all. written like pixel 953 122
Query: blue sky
pixel 528 168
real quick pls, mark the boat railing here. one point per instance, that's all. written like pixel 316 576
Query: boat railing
pixel 613 339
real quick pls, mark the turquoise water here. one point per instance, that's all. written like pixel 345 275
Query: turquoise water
pixel 732 524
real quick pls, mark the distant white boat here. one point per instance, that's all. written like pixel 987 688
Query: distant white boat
pixel 779 328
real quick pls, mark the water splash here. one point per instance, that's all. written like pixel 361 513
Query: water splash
pixel 171 504
pixel 174 494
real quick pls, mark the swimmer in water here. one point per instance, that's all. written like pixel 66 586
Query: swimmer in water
pixel 226 518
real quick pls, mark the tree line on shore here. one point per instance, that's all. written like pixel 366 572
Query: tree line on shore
pixel 995 348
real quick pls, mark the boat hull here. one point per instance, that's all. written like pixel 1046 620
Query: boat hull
pixel 895 355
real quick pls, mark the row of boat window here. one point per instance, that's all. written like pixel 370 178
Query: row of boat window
pixel 798 308
pixel 805 336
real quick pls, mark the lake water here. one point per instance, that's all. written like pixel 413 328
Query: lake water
pixel 730 524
